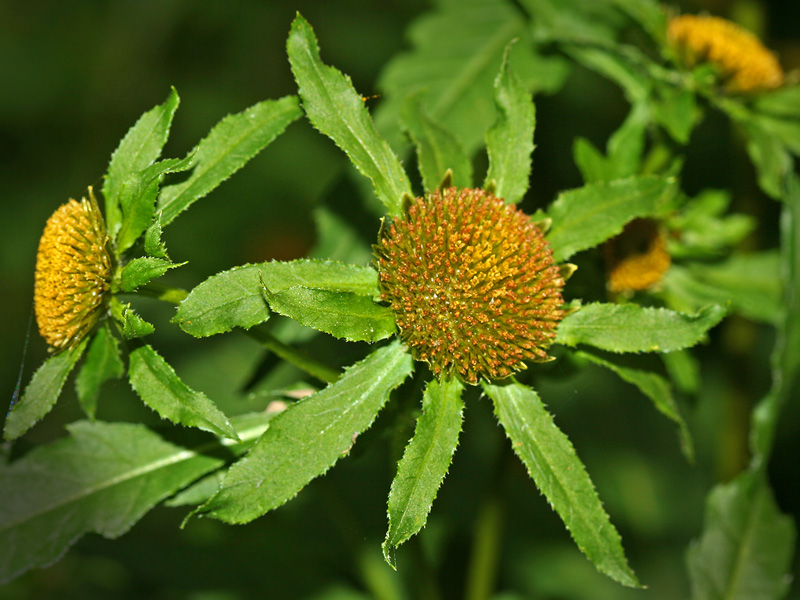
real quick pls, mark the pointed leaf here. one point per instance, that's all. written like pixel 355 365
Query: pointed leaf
pixel 103 362
pixel 226 149
pixel 153 246
pixel 306 440
pixel 42 391
pixel 560 475
pixel 162 390
pixel 770 158
pixel 133 326
pixel 633 328
pixel 338 111
pixel 102 478
pixel 425 463
pixel 141 270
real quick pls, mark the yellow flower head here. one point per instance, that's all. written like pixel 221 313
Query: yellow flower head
pixel 73 270
pixel 740 57
pixel 637 258
pixel 472 283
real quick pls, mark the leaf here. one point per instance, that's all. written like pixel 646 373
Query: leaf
pixel 425 463
pixel 574 20
pixel 509 143
pixel 153 246
pixel 337 239
pixel 141 270
pixel 587 216
pixel 437 149
pixel 133 326
pixel 304 441
pixel 42 391
pixel 102 478
pixel 683 369
pixel 675 109
pixel 235 298
pixel 624 149
pixel 140 147
pixel 770 158
pixel 654 387
pixel 560 475
pixel 781 102
pixel 632 328
pixel 338 111
pixel 162 390
pixel 226 149
pixel 621 64
pixel 103 362
pixel 746 548
pixel 342 314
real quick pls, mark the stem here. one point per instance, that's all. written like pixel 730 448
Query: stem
pixel 298 358
pixel 482 571
pixel 162 292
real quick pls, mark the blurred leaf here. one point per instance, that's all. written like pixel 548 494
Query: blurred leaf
pixel 676 110
pixel 560 475
pixel 338 240
pixel 42 391
pixel 140 147
pixel 304 441
pixel 746 548
pixel 235 298
pixel 162 390
pixel 509 142
pixel 437 149
pixel 683 369
pixel 574 20
pixel 781 102
pixel 102 478
pixel 141 270
pixel 625 148
pixel 584 217
pixel 425 463
pixel 654 387
pixel 650 14
pixel 771 159
pixel 103 362
pixel 619 63
pixel 200 491
pixel 226 149
pixel 344 315
pixel 632 328
pixel 334 107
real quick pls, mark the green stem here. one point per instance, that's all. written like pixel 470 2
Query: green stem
pixel 162 292
pixel 482 571
pixel 299 359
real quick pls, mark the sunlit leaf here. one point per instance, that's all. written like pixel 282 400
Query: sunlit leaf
pixel 141 270
pixel 103 362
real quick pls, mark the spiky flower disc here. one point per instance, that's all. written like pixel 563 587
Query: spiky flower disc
pixel 472 283
pixel 637 258
pixel 73 270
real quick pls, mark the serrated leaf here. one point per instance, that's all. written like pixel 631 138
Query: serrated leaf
pixel 633 328
pixel 102 478
pixel 746 548
pixel 559 474
pixel 654 387
pixel 437 149
pixel 235 298
pixel 153 246
pixel 509 142
pixel 161 389
pixel 425 463
pixel 42 391
pixel 227 148
pixel 337 110
pixel 304 441
pixel 133 326
pixel 140 147
pixel 585 217
pixel 141 270
pixel 103 362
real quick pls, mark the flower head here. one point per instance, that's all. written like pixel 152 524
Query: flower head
pixel 73 270
pixel 637 258
pixel 472 283
pixel 739 55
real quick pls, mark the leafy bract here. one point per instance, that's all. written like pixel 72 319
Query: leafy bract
pixel 425 462
pixel 337 110
pixel 235 298
pixel 141 270
pixel 133 326
pixel 226 149
pixel 42 391
pixel 101 478
pixel 584 217
pixel 509 142
pixel 560 475
pixel 103 362
pixel 633 328
pixel 304 441
pixel 162 390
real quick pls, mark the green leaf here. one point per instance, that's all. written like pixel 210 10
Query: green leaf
pixel 342 314
pixel 304 441
pixel 153 246
pixel 633 328
pixel 103 362
pixel 437 149
pixel 162 390
pixel 771 159
pixel 226 149
pixel 675 109
pixel 425 463
pixel 559 474
pixel 587 216
pixel 102 478
pixel 654 387
pixel 235 298
pixel 509 142
pixel 621 64
pixel 141 270
pixel 338 111
pixel 683 369
pixel 624 149
pixel 133 326
pixel 781 102
pixel 746 549
pixel 574 20
pixel 650 14
pixel 338 240
pixel 42 391
pixel 140 148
